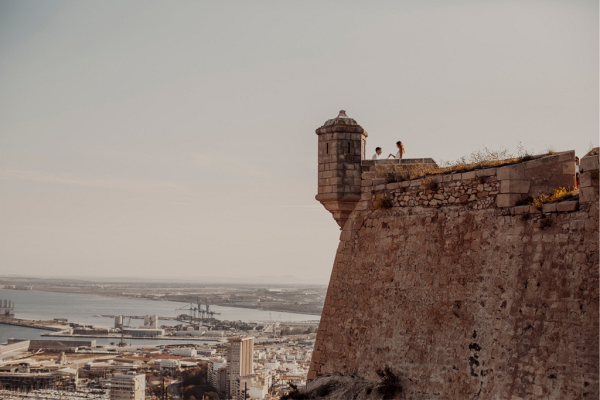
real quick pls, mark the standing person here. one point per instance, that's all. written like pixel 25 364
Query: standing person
pixel 400 152
pixel 377 153
pixel 577 170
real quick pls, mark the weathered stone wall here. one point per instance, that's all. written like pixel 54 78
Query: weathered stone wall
pixel 506 186
pixel 466 295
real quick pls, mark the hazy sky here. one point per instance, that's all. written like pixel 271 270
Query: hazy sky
pixel 176 139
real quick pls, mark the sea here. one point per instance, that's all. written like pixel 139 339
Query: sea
pixel 82 308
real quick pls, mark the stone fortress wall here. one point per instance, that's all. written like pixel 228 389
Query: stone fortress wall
pixel 460 291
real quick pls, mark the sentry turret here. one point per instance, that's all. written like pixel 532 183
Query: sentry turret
pixel 341 149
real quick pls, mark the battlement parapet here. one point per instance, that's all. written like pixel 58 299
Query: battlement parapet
pixel 500 187
pixel 347 180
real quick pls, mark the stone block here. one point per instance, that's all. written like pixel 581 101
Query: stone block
pixel 358 223
pixel 437 178
pixel 576 224
pixel 379 187
pixel 567 206
pixel 569 168
pixel 405 184
pixel 507 200
pixel 534 210
pixel 588 194
pixel 487 172
pixel 348 225
pixel 588 163
pixel 447 178
pixel 585 179
pixel 346 235
pixel 516 171
pixel 514 186
pixel 565 156
pixel 456 177
pixel 393 186
pixel 548 208
pixel 468 175
pixel 521 209
pixel 416 182
pixel 362 205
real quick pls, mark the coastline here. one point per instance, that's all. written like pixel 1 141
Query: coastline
pixel 109 295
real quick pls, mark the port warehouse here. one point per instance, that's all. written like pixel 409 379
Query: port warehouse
pixel 47 345
pixel 23 377
pixel 143 332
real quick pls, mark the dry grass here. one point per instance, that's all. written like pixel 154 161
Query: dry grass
pixel 430 184
pixel 479 179
pixel 558 195
pixel 592 151
pixel 480 159
pixel 382 202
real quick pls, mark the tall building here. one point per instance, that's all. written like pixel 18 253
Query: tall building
pixel 239 363
pixel 128 387
pixel 218 373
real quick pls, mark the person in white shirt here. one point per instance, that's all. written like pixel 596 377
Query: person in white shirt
pixel 400 152
pixel 377 154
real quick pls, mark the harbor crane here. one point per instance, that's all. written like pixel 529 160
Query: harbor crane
pixel 273 325
pixel 191 309
pixel 207 313
pixel 198 311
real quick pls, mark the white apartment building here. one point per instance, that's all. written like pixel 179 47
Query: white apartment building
pixel 166 364
pixel 239 363
pixel 185 352
pixel 110 366
pixel 128 387
pixel 218 368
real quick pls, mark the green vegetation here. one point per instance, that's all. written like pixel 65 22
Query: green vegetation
pixel 195 384
pixel 430 184
pixel 389 385
pixel 383 202
pixel 479 179
pixel 558 195
pixel 293 394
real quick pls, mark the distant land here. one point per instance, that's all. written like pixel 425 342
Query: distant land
pixel 291 297
pixel 270 280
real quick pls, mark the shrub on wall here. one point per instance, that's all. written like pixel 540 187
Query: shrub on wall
pixel 382 202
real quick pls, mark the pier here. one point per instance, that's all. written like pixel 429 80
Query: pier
pixel 32 324
pixel 134 317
